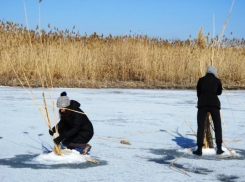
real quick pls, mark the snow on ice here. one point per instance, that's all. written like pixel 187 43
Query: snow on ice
pixel 151 120
pixel 68 156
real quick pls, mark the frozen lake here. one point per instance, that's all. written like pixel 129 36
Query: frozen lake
pixel 148 119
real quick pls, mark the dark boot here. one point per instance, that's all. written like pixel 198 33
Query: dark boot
pixel 198 151
pixel 71 148
pixel 86 149
pixel 219 149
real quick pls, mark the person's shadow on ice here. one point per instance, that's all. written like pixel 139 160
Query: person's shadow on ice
pixel 184 142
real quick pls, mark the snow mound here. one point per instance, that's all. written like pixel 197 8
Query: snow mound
pixel 212 151
pixel 68 157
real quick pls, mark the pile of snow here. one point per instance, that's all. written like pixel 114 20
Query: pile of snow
pixel 212 151
pixel 68 157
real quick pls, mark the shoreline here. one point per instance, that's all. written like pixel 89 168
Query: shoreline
pixel 124 85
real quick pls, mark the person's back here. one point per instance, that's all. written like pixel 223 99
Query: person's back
pixel 209 85
pixel 208 89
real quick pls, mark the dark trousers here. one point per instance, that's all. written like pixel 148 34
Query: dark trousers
pixel 71 145
pixel 201 117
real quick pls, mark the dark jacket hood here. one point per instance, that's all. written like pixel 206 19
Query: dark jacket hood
pixel 74 105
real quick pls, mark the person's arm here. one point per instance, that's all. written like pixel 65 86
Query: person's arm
pixel 60 127
pixel 220 88
pixel 63 135
pixel 199 91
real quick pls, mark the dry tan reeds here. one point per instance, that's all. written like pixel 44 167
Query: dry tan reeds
pixel 208 132
pixel 42 74
pixel 120 61
pixel 172 163
pixel 125 142
pixel 56 148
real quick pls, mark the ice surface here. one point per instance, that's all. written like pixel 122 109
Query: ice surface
pixel 151 120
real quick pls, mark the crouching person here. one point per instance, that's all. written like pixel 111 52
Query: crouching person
pixel 75 129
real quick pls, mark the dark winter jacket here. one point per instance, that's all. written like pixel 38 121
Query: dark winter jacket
pixel 208 87
pixel 78 129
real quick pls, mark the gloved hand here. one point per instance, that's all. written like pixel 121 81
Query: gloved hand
pixel 59 139
pixel 51 132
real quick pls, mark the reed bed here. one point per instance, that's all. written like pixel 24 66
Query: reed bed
pixel 131 61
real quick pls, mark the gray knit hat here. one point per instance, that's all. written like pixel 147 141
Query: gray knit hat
pixel 63 100
pixel 212 70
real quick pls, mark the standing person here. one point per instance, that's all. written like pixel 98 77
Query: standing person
pixel 208 89
pixel 75 129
